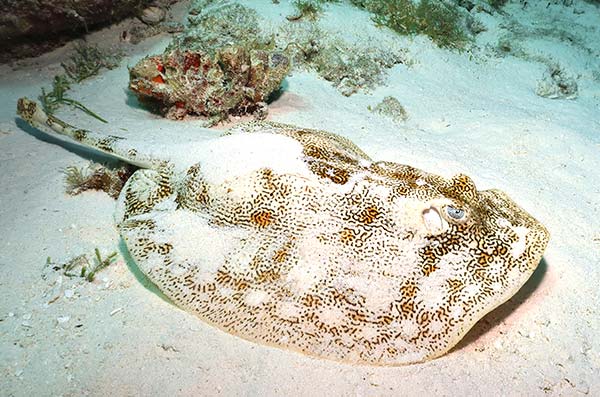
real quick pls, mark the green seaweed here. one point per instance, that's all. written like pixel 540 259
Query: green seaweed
pixel 440 21
pixel 350 66
pixel 99 265
pixel 307 9
pixel 80 265
pixel 87 61
pixel 52 100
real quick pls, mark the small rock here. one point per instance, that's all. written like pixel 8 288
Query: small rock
pixel 153 15
pixel 27 316
pixel 69 293
pixel 63 319
pixel 347 87
pixel 556 84
pixel 391 108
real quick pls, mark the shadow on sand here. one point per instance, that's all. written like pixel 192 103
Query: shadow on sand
pixel 64 142
pixel 137 273
pixel 497 316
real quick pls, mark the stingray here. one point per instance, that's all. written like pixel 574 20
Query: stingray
pixel 295 238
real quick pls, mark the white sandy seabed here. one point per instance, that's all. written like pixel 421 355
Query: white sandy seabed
pixel 470 112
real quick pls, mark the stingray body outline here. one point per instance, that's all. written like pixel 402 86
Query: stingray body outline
pixel 295 238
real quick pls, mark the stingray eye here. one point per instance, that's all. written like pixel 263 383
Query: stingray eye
pixel 455 213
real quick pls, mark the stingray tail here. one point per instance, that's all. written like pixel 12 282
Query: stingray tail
pixel 113 145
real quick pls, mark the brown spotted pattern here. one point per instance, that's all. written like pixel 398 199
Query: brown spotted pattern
pixel 346 268
pixel 360 261
pixel 113 145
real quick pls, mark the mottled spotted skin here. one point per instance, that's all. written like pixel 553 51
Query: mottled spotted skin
pixel 354 260
pixel 32 113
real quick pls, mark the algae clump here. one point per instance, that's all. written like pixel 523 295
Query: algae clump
pixel 96 176
pixel 80 266
pixel 349 66
pixel 391 107
pixel 308 9
pixel 86 62
pixel 442 22
pixel 52 100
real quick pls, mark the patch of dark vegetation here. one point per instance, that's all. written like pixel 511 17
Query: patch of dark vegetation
pixel 349 66
pixel 88 60
pixel 440 21
pixel 308 9
pixel 81 266
pixel 497 4
pixel 52 100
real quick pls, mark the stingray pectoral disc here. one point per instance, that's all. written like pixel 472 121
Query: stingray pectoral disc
pixel 349 270
pixel 295 238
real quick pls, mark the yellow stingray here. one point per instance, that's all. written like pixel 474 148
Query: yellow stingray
pixel 295 238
